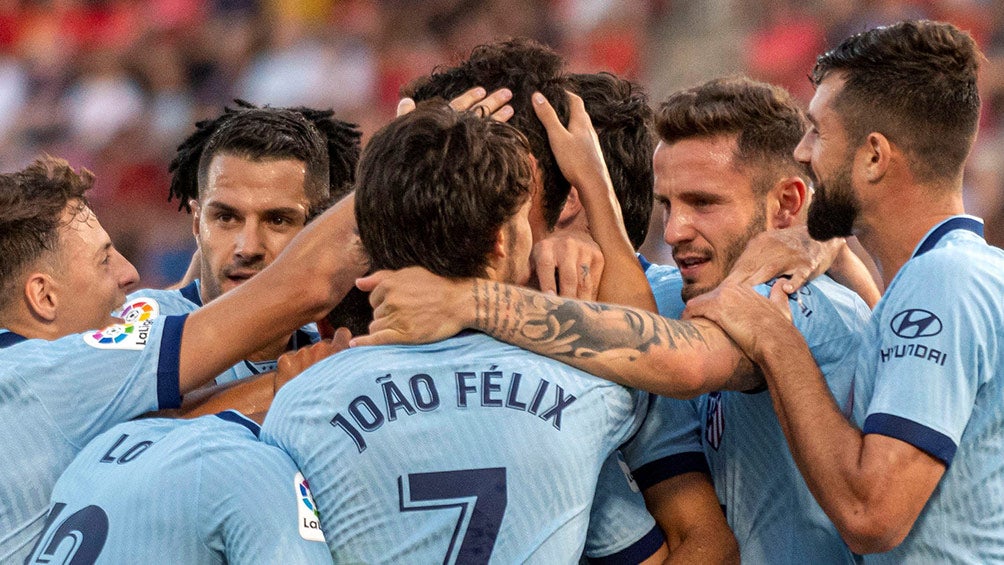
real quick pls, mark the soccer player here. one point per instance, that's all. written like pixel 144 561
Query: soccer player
pixel 724 173
pixel 515 69
pixel 62 384
pixel 916 470
pixel 467 449
pixel 254 177
pixel 183 491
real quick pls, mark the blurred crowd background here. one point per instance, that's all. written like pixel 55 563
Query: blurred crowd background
pixel 115 85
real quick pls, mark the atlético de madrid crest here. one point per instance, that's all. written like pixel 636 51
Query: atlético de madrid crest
pixel 714 425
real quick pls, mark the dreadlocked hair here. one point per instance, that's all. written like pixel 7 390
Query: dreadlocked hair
pixel 338 141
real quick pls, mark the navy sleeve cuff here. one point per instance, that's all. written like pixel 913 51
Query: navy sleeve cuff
pixel 668 467
pixel 168 383
pixel 636 552
pixel 920 436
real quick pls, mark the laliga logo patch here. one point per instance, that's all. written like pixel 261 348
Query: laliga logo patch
pixel 308 522
pixel 121 336
pixel 140 310
pixel 914 323
pixel 627 472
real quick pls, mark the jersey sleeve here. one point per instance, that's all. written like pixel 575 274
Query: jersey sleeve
pixel 258 508
pixel 89 382
pixel 930 356
pixel 667 444
pixel 621 530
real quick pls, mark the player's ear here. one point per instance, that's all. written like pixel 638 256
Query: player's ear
pixel 41 297
pixel 571 209
pixel 196 214
pixel 876 156
pixel 786 200
pixel 500 250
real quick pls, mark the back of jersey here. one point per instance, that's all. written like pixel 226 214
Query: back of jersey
pixel 463 451
pixel 202 491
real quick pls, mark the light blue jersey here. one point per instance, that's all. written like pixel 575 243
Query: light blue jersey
pixel 202 491
pixel 668 443
pixel 462 451
pixel 930 374
pixel 666 283
pixel 766 501
pixel 55 396
pixel 621 530
pixel 188 299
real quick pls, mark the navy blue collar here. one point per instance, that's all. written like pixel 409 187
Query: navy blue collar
pixel 8 339
pixel 645 263
pixel 238 418
pixel 949 225
pixel 191 292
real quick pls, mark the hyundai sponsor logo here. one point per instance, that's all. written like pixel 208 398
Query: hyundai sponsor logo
pixel 914 323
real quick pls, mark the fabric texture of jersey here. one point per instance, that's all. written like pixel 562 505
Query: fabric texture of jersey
pixel 55 396
pixel 621 529
pixel 930 374
pixel 202 491
pixel 465 450
pixel 188 299
pixel 766 501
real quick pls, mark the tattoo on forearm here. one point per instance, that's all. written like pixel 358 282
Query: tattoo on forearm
pixel 560 327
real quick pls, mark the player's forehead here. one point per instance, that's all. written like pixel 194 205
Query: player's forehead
pixel 822 111
pixel 249 185
pixel 81 232
pixel 698 165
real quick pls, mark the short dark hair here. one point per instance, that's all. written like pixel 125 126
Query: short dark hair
pixel 766 120
pixel 622 118
pixel 523 66
pixel 327 146
pixel 435 187
pixel 914 82
pixel 33 201
pixel 353 312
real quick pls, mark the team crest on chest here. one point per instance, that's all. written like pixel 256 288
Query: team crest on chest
pixel 714 424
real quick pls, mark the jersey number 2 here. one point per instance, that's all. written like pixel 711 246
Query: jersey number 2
pixel 85 530
pixel 480 494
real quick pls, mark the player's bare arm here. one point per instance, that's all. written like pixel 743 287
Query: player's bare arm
pixel 577 151
pixel 687 510
pixel 626 345
pixel 872 486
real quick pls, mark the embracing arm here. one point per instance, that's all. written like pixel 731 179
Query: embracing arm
pixel 308 278
pixel 629 346
pixel 577 151
pixel 687 510
pixel 872 486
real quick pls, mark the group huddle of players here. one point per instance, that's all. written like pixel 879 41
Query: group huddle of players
pixel 444 346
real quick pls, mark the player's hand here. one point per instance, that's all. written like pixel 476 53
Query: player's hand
pixel 789 251
pixel 575 258
pixel 742 313
pixel 577 147
pixel 413 305
pixel 293 363
pixel 476 99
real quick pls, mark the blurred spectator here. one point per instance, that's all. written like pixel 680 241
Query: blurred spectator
pixel 114 85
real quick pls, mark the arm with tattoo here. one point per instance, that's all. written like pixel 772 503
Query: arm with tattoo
pixel 629 346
